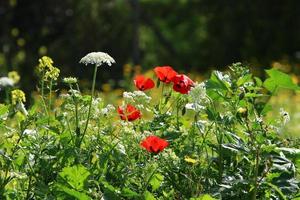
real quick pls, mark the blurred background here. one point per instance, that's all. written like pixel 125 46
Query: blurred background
pixel 193 36
pixel 190 35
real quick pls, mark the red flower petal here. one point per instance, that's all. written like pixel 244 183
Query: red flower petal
pixel 143 83
pixel 165 73
pixel 154 144
pixel 182 83
pixel 131 113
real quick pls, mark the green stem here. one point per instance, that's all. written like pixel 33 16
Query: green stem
pixel 220 157
pixel 162 97
pixel 255 175
pixel 76 113
pixel 6 96
pixel 49 102
pixel 29 188
pixel 177 115
pixel 90 106
pixel 50 95
pixel 43 99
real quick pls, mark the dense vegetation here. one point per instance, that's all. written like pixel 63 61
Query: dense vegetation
pixel 189 34
pixel 173 138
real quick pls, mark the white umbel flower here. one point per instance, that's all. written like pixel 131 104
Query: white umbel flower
pixel 97 58
pixel 70 80
pixel 198 98
pixel 5 82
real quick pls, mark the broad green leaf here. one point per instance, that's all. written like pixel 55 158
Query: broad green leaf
pixel 156 181
pixel 217 81
pixel 19 159
pixel 73 193
pixel 75 176
pixel 204 197
pixel 278 79
pixel 258 81
pixel 244 79
pixel 3 110
pixel 129 193
pixel 110 187
pixel 149 196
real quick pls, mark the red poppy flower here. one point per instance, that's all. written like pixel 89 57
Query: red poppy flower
pixel 130 113
pixel 154 144
pixel 182 83
pixel 165 73
pixel 143 83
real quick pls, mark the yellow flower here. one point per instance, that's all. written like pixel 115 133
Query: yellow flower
pixel 13 75
pixel 242 110
pixel 45 63
pixel 190 160
pixel 17 96
pixel 52 74
pixel 47 70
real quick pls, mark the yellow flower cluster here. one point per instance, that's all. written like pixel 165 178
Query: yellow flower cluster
pixel 17 96
pixel 14 76
pixel 190 160
pixel 47 70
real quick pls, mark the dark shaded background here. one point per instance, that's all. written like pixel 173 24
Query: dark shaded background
pixel 186 34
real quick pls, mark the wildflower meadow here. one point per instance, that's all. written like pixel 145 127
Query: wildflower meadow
pixel 171 137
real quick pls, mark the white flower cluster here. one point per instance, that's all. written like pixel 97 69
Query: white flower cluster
pixel 138 98
pixel 97 58
pixel 197 97
pixel 6 82
pixel 30 132
pixel 70 80
pixel 109 109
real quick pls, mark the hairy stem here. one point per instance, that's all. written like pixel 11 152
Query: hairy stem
pixel 90 106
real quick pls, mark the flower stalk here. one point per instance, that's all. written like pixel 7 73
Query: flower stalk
pixel 90 107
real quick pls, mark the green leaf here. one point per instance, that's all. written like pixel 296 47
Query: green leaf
pixel 244 79
pixel 149 196
pixel 291 151
pixel 258 81
pixel 157 83
pixel 75 176
pixel 278 79
pixel 156 181
pixel 204 197
pixel 3 110
pixel 129 193
pixel 277 189
pixel 72 192
pixel 217 81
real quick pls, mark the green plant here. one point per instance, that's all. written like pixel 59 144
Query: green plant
pixel 208 140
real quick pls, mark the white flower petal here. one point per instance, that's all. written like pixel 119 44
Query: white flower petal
pixel 97 58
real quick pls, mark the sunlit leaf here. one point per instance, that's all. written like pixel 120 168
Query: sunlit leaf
pixel 75 176
pixel 278 79
pixel 156 181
